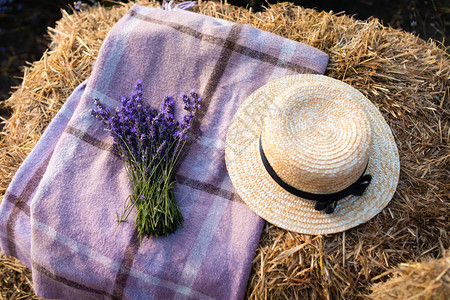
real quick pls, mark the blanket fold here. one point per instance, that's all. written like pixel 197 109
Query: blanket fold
pixel 59 213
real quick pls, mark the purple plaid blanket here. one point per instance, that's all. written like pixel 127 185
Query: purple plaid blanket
pixel 59 213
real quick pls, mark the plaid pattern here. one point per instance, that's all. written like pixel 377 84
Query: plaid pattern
pixel 59 213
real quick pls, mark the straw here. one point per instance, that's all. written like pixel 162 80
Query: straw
pixel 319 135
pixel 427 280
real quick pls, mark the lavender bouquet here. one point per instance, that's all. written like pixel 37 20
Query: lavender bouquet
pixel 150 143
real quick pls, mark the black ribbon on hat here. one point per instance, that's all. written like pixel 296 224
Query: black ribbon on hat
pixel 325 202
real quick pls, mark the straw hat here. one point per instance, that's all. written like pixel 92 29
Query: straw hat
pixel 311 154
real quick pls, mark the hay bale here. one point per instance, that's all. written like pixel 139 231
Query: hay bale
pixel 427 280
pixel 406 77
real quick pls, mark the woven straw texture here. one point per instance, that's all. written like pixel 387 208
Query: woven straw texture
pixel 405 77
pixel 343 136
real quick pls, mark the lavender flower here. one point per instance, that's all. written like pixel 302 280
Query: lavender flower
pixel 78 5
pixel 150 143
pixel 191 105
pixel 5 6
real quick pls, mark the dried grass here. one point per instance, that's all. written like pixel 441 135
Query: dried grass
pixel 406 77
pixel 427 280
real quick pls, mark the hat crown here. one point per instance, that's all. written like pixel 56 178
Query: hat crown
pixel 314 143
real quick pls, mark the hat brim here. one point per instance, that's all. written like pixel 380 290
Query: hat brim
pixel 277 206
